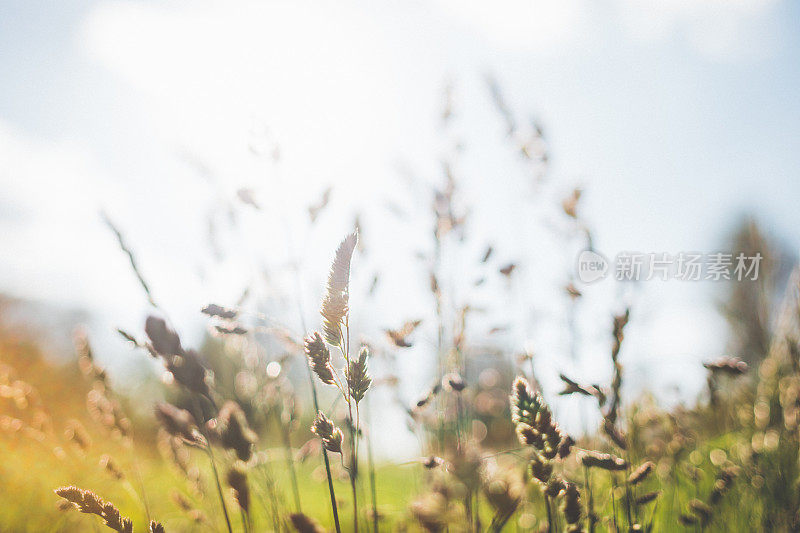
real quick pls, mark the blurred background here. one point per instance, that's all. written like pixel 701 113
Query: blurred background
pixel 233 146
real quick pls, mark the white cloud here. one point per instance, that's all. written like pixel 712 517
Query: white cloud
pixel 529 25
pixel 718 29
pixel 212 72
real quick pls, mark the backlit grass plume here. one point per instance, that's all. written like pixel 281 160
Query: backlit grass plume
pixel 357 379
pixel 353 386
pixel 534 422
pixel 337 298
pixel 88 502
pixel 536 428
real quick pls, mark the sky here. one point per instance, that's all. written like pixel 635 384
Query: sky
pixel 675 117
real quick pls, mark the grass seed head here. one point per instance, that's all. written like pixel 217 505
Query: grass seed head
pixel 399 337
pixel 647 497
pixel 178 423
pixel 108 464
pixel 730 366
pixel 604 461
pixel 701 510
pixel 524 403
pixel 565 446
pixel 555 486
pixel 331 436
pixel 357 379
pixel 614 433
pixel 90 503
pixel 722 484
pixel 237 480
pixel 455 382
pixel 163 339
pixel 319 357
pixel 305 524
pixel 234 432
pixel 77 434
pixel 189 371
pixel 641 473
pixel 220 312
pixel 572 504
pixel 540 469
pixel 184 365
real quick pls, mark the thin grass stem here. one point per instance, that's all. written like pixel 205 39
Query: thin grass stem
pixel 219 488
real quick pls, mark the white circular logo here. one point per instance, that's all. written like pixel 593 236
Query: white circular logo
pixel 591 266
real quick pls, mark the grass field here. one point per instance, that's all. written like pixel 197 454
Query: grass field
pixel 206 461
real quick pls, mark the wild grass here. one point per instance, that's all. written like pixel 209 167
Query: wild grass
pixel 645 469
pixel 246 439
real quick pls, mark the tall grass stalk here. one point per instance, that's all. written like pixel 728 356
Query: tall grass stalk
pixel 198 416
pixel 371 466
pixel 590 516
pixel 325 458
pixel 549 514
pixel 614 501
pixel 287 446
pixel 335 313
pixel 352 470
pixel 628 490
pixel 270 490
pixel 219 487
pixel 315 399
pixel 137 471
